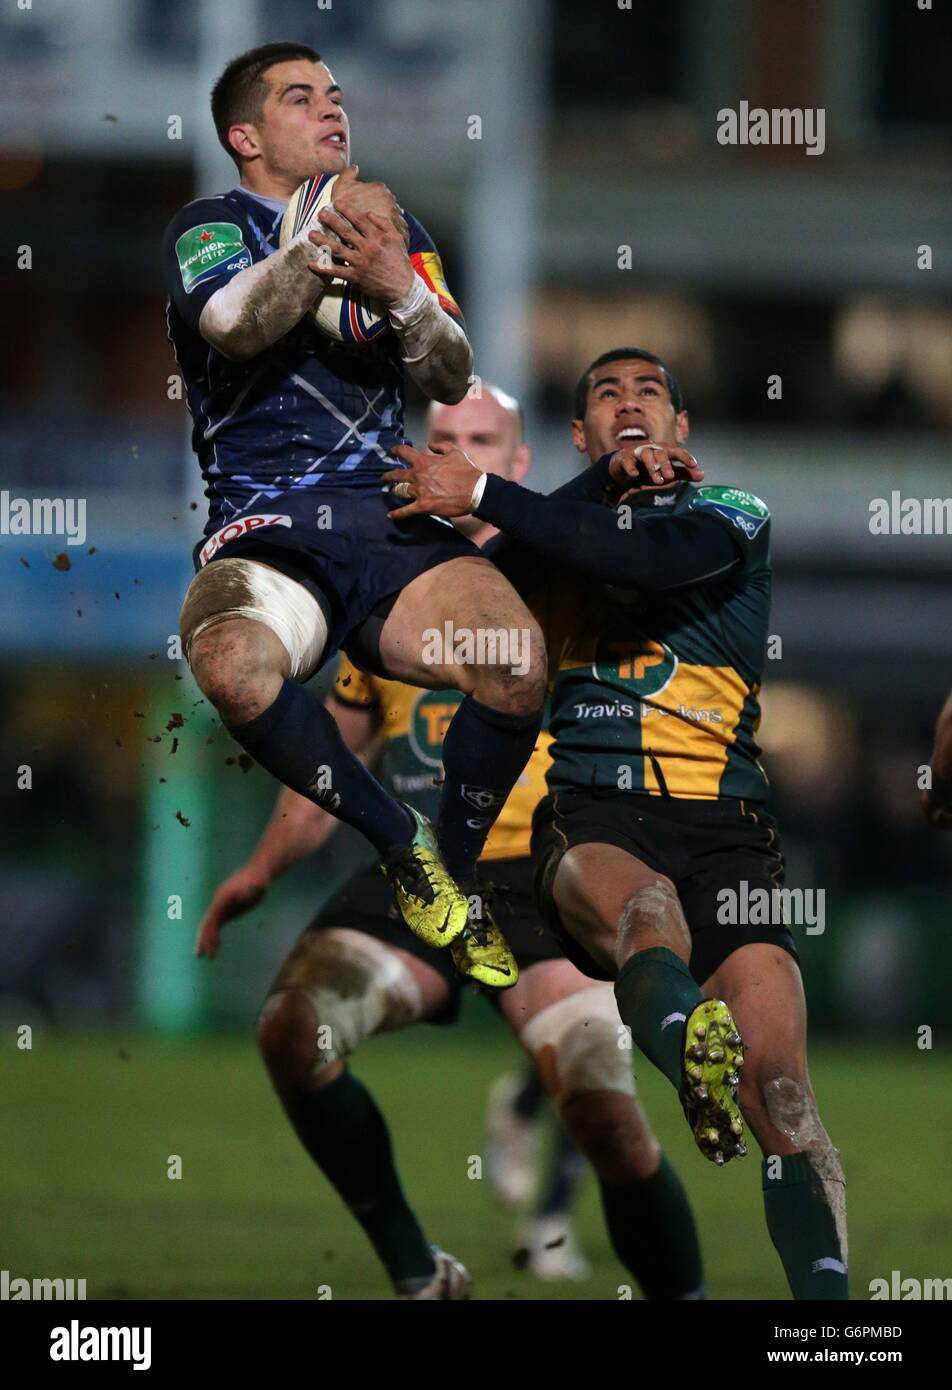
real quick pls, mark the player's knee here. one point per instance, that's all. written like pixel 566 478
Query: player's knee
pixel 287 1032
pixel 337 987
pixel 653 913
pixel 238 669
pixel 514 680
pixel 580 1047
pixel 785 1099
pixel 245 627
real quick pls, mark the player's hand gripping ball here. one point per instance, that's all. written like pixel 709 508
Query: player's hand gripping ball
pixel 343 311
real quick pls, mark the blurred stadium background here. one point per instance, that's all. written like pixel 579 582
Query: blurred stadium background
pixel 598 131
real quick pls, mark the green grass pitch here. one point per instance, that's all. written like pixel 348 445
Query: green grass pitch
pixel 91 1123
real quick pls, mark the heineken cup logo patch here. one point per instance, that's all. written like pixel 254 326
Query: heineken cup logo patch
pixel 746 511
pixel 205 251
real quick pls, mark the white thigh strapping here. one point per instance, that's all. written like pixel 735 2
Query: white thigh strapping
pixel 251 589
pixel 589 1044
pixel 357 986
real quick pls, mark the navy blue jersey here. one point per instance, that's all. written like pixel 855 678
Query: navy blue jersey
pixel 304 410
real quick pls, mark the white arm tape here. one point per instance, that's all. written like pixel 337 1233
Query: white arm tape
pixel 478 491
pixel 418 321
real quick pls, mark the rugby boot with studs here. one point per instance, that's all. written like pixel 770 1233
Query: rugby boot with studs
pixel 713 1057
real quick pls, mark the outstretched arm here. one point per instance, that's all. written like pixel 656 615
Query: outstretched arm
pixel 608 544
pixel 584 535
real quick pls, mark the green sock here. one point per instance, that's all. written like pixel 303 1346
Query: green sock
pixel 652 1231
pixel 803 1228
pixel 346 1135
pixel 655 992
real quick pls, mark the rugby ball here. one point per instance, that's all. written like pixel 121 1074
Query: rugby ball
pixel 342 311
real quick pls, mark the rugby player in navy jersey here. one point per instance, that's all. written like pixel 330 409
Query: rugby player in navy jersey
pixel 654 596
pixel 301 555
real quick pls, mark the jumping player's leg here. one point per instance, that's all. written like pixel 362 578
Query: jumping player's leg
pixel 494 730
pixel 251 635
pixel 337 987
pixel 571 1029
pixel 804 1187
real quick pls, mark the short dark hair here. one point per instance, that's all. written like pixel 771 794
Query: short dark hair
pixel 616 355
pixel 240 92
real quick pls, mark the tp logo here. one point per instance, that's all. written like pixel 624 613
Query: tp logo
pixel 639 664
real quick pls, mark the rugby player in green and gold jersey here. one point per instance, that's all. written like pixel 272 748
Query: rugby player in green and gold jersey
pixel 654 595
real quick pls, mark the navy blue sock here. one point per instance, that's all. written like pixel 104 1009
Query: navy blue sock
pixel 483 753
pixel 297 740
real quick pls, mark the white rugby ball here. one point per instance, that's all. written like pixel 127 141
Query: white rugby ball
pixel 342 312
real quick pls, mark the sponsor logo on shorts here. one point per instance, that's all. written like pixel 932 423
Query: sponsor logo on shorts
pixel 242 527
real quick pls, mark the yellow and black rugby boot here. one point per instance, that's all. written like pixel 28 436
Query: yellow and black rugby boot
pixel 481 952
pixel 713 1057
pixel 433 906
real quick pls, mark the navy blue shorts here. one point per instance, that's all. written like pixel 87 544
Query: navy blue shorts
pixel 341 544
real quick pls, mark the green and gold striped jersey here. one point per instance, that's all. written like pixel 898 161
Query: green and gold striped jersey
pixel 658 693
